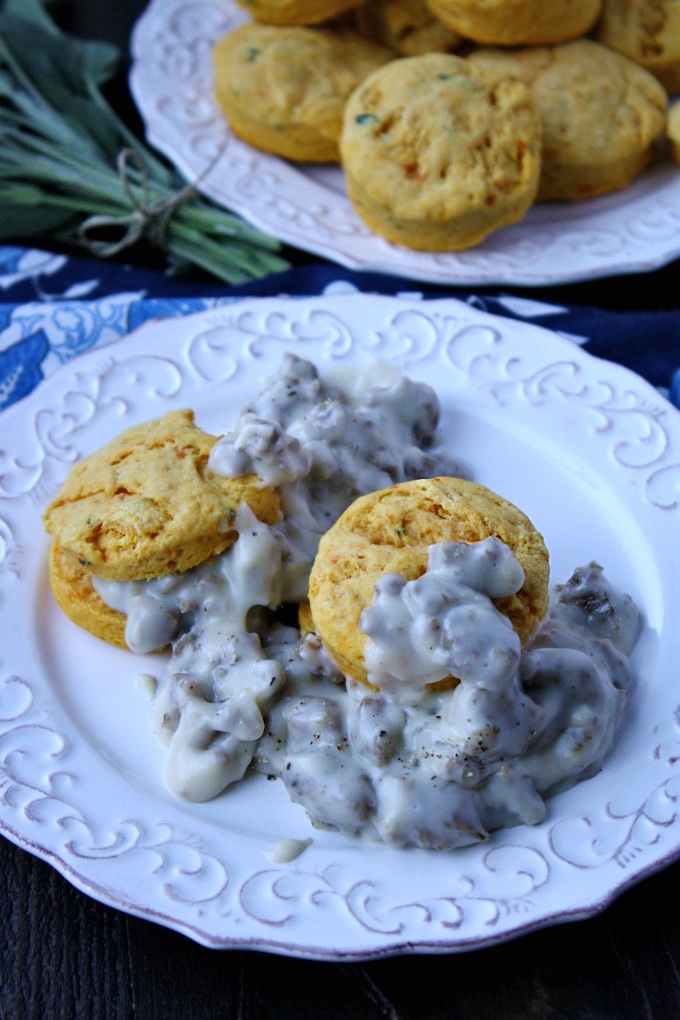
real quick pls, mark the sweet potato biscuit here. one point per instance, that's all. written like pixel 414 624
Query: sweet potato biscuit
pixel 438 153
pixel 390 531
pixel 648 33
pixel 147 504
pixel 518 22
pixel 283 90
pixel 305 622
pixel 296 12
pixel 674 131
pixel 600 114
pixel 73 592
pixel 406 26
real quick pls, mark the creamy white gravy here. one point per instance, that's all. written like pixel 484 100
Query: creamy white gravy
pixel 409 765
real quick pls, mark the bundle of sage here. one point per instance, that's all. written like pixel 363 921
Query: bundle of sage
pixel 71 170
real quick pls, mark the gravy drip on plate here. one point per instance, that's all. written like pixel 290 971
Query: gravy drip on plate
pixel 441 768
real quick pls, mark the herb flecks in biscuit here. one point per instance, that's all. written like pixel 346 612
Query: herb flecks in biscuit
pixel 438 154
pixel 147 504
pixel 283 90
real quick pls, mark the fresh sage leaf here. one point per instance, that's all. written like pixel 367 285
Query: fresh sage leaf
pixel 71 170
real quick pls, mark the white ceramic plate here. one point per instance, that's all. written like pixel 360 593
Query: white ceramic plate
pixel 635 230
pixel 589 450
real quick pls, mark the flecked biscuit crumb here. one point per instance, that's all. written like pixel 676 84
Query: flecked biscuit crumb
pixel 390 531
pixel 600 114
pixel 147 504
pixel 438 153
pixel 283 90
pixel 646 31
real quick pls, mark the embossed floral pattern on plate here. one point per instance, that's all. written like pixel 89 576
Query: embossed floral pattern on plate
pixel 588 449
pixel 635 230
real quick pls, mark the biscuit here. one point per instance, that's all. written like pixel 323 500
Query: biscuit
pixel 406 26
pixel 600 114
pixel 146 504
pixel 305 621
pixel 438 153
pixel 73 592
pixel 390 531
pixel 673 129
pixel 648 33
pixel 518 22
pixel 296 12
pixel 283 90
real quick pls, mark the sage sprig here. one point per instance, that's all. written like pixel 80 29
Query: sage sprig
pixel 71 170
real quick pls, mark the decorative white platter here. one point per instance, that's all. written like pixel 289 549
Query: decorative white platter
pixel 590 451
pixel 633 231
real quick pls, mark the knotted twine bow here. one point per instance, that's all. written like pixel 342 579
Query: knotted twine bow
pixel 146 219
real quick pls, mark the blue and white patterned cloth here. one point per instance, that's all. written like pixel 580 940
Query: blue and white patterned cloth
pixel 53 308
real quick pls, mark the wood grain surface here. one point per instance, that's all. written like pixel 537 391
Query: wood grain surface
pixel 65 955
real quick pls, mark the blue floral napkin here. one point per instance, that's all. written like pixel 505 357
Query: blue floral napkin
pixel 53 308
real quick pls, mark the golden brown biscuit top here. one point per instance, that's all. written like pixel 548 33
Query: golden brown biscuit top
pixel 296 12
pixel 596 106
pixel 518 22
pixel 147 504
pixel 391 531
pixel 430 133
pixel 294 74
pixel 645 31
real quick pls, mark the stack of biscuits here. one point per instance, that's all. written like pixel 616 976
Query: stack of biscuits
pixel 143 506
pixel 451 118
pixel 146 505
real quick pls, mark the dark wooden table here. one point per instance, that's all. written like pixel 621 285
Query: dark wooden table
pixel 64 955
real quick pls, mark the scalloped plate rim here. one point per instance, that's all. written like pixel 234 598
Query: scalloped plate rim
pixel 362 251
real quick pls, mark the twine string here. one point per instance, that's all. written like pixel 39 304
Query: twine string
pixel 146 219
